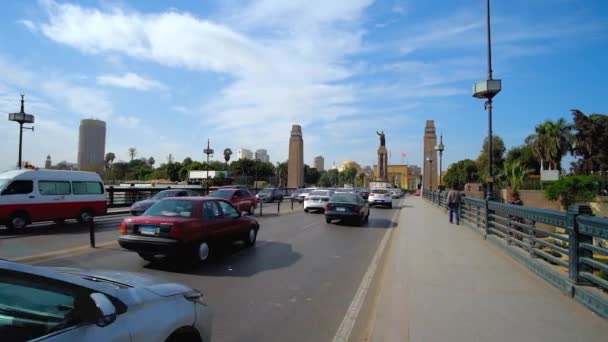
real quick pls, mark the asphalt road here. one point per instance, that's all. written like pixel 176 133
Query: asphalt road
pixel 295 285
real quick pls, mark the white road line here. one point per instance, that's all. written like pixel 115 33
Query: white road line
pixel 346 327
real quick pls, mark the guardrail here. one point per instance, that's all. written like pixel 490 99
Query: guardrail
pixel 568 249
pixel 124 196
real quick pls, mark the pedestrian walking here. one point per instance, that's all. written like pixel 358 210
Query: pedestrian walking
pixel 453 199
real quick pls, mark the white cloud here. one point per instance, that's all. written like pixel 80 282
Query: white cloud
pixel 29 25
pixel 128 121
pixel 82 100
pixel 129 80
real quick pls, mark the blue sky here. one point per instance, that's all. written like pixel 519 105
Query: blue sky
pixel 167 77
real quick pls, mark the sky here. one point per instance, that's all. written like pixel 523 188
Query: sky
pixel 167 76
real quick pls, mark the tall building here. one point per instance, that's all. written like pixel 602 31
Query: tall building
pixel 295 164
pixel 92 145
pixel 48 163
pixel 319 163
pixel 243 153
pixel 262 155
pixel 430 157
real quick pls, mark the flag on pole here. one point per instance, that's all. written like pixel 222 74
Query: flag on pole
pixel 403 155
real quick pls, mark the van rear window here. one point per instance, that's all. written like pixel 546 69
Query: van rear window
pixel 19 187
pixel 49 188
pixel 87 188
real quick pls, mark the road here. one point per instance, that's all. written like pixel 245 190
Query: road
pixel 295 285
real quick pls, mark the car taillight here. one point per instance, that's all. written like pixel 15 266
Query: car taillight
pixel 123 228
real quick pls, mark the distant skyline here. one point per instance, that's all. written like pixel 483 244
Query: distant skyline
pixel 241 73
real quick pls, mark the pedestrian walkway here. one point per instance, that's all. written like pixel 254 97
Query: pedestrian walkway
pixel 443 282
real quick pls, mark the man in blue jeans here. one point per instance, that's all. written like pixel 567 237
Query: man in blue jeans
pixel 453 199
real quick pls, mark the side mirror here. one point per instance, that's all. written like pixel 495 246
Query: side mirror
pixel 106 311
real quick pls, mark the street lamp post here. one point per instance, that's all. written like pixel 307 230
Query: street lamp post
pixel 439 148
pixel 21 118
pixel 487 90
pixel 208 151
pixel 430 160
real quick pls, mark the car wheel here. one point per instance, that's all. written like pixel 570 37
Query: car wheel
pixel 390 206
pixel 251 238
pixel 367 217
pixel 203 251
pixel 305 210
pixel 327 220
pixel 59 222
pixel 360 221
pixel 17 221
pixel 86 215
pixel 146 256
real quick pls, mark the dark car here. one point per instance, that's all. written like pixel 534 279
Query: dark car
pixel 347 207
pixel 270 195
pixel 363 192
pixel 242 199
pixel 186 227
pixel 139 207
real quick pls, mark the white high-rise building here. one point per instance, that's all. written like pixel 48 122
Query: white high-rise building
pixel 262 155
pixel 243 153
pixel 319 163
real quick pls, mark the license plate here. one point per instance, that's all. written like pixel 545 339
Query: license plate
pixel 340 209
pixel 147 230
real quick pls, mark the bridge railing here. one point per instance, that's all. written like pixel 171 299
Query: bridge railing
pixel 572 243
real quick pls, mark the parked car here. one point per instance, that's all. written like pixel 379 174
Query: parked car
pixel 418 192
pixel 65 304
pixel 347 207
pixel 316 200
pixel 139 207
pixel 186 228
pixel 396 193
pixel 380 197
pixel 235 186
pixel 28 196
pixel 242 199
pixel 363 192
pixel 270 195
pixel 302 195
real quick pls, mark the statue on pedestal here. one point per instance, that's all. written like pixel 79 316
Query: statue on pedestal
pixel 382 158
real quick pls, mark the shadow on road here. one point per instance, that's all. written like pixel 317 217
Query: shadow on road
pixel 236 260
pixel 374 223
pixel 54 228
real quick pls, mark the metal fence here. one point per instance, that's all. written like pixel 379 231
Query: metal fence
pixel 123 196
pixel 570 243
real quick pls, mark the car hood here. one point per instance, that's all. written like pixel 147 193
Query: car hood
pixel 156 285
pixel 144 204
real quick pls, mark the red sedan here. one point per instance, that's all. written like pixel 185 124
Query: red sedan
pixel 186 227
pixel 240 198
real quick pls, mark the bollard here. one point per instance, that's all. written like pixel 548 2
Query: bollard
pixel 261 205
pixel 278 206
pixel 91 224
pixel 292 204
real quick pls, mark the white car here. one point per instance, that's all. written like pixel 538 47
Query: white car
pixel 380 197
pixel 396 193
pixel 63 304
pixel 316 200
pixel 302 195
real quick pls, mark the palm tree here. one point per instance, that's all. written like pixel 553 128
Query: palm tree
pixel 227 154
pixel 552 140
pixel 109 159
pixel 151 161
pixel 132 152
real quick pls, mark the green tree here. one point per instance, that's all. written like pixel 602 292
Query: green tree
pixel 360 180
pixel 227 154
pixel 311 175
pixel 551 141
pixel 325 179
pixel 282 170
pixel 109 159
pixel 132 152
pixel 462 172
pixel 572 189
pixel 151 161
pixel 186 162
pixel 498 151
pixel 590 142
pixel 525 156
pixel 514 174
pixel 348 175
pixel 120 170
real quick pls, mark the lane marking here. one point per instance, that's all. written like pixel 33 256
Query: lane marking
pixel 63 253
pixel 346 327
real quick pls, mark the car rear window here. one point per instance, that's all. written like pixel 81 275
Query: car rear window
pixel 379 192
pixel 221 193
pixel 165 194
pixel 319 193
pixel 344 198
pixel 171 208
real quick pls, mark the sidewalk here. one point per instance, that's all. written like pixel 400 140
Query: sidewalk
pixel 442 282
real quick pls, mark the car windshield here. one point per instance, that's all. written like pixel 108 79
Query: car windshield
pixel 164 194
pixel 221 194
pixel 266 191
pixel 344 198
pixel 171 208
pixel 319 193
pixel 379 192
pixel 3 182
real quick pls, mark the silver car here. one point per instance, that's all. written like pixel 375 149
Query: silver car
pixel 62 304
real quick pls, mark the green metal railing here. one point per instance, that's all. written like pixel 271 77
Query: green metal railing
pixel 572 243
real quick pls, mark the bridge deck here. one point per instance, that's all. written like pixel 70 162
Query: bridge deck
pixel 442 282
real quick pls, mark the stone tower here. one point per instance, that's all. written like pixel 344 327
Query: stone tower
pixel 48 163
pixel 295 164
pixel 430 167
